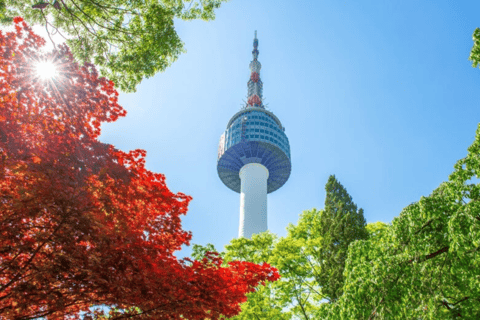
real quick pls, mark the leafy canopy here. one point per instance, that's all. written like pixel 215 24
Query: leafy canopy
pixel 84 224
pixel 310 259
pixel 426 264
pixel 127 39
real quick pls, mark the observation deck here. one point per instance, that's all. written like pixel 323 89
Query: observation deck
pixel 254 135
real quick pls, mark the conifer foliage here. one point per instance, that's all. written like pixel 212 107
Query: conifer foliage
pixel 341 223
pixel 84 224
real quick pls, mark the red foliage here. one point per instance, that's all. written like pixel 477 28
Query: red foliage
pixel 84 224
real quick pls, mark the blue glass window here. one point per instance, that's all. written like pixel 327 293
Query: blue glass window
pixel 256 136
pixel 256 130
pixel 262 131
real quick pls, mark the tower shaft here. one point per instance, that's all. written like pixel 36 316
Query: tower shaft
pixel 253 200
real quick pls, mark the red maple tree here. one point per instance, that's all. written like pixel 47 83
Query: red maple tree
pixel 83 224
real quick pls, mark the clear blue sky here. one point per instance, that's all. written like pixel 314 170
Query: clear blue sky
pixel 379 93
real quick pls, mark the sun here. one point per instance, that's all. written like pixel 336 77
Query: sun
pixel 46 70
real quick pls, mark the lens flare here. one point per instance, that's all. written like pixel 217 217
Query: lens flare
pixel 46 70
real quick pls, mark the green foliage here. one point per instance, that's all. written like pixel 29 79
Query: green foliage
pixel 426 264
pixel 269 300
pixel 127 39
pixel 341 224
pixel 309 258
pixel 475 52
pixel 199 252
pixel 2 12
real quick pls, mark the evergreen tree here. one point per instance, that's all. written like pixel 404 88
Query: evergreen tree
pixel 425 264
pixel 341 223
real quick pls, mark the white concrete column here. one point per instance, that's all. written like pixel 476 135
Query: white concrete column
pixel 253 199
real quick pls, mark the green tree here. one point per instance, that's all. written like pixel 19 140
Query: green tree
pixel 316 245
pixel 426 264
pixel 340 224
pixel 128 40
pixel 266 302
pixel 475 52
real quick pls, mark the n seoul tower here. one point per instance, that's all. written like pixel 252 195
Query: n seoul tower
pixel 254 154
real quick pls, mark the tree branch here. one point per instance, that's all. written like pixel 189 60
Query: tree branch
pixel 103 26
pixel 424 226
pixel 431 255
pixel 15 278
pixel 48 32
pixel 461 300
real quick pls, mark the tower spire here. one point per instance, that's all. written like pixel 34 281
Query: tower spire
pixel 255 85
